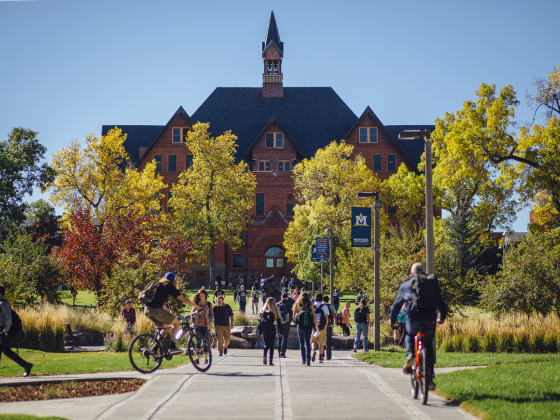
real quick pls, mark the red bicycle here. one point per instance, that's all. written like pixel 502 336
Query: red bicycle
pixel 419 379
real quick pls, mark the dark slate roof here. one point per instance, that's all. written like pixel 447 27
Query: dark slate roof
pixel 272 36
pixel 313 116
pixel 136 136
pixel 412 148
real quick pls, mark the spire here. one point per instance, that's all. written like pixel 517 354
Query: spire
pixel 272 36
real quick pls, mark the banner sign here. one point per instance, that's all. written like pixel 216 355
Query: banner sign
pixel 322 248
pixel 314 253
pixel 361 227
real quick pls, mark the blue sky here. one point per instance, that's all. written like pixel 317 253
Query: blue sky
pixel 68 67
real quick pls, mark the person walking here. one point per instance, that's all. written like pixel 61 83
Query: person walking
pixel 223 323
pixel 336 299
pixel 230 282
pixel 359 298
pixel 268 325
pixel 361 318
pixel 330 325
pixel 241 298
pixel 217 293
pixel 255 301
pixel 10 328
pixel 346 320
pixel 203 317
pixel 283 285
pixel 219 280
pixel 129 315
pixel 74 293
pixel 319 340
pixel 296 294
pixel 306 322
pixel 285 307
pixel 292 286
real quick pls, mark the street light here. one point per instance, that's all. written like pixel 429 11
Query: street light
pixel 329 231
pixel 410 135
pixel 376 319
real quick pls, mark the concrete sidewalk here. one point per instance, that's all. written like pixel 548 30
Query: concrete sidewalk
pixel 239 386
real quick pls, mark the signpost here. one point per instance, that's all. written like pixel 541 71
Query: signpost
pixel 361 227
pixel 320 252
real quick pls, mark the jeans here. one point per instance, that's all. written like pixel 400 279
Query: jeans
pixel 361 329
pixel 242 304
pixel 269 340
pixel 305 344
pixel 202 331
pixel 412 328
pixel 283 338
pixel 6 348
pixel 329 342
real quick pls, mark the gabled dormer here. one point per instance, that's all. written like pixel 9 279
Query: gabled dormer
pixel 274 150
pixel 272 53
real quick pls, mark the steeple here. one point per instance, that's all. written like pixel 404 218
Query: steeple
pixel 272 53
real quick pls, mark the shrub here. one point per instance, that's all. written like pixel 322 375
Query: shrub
pixel 537 343
pixel 490 343
pixel 505 342
pixel 471 344
pixel 522 343
pixel 447 345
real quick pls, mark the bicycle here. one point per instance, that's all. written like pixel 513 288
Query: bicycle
pixel 146 349
pixel 419 377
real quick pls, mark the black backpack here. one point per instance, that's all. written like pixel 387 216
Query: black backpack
pixel 304 319
pixel 149 292
pixel 284 312
pixel 339 318
pixel 320 315
pixel 331 315
pixel 425 291
pixel 360 315
pixel 266 323
pixel 16 327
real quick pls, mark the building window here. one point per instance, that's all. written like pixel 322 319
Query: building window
pixel 275 71
pixel 377 163
pixel 188 161
pixel 368 135
pixel 392 163
pixel 264 166
pixel 237 260
pixel 269 67
pixel 274 140
pixel 260 204
pixel 290 204
pixel 177 138
pixel 284 165
pixel 392 210
pixel 157 158
pixel 172 162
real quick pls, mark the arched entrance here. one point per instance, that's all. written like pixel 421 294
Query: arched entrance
pixel 274 262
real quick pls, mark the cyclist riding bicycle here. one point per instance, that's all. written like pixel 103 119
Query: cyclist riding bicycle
pixel 417 317
pixel 157 310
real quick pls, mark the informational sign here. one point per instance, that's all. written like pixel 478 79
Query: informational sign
pixel 361 227
pixel 314 253
pixel 322 248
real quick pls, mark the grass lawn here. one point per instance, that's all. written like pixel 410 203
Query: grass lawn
pixel 46 363
pixel 26 417
pixel 394 357
pixel 508 392
pixel 84 297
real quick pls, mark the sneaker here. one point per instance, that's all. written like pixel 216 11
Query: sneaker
pixel 219 354
pixel 431 384
pixel 205 361
pixel 283 356
pixel 407 368
pixel 264 360
pixel 225 351
pixel 320 360
pixel 303 363
pixel 355 350
pixel 175 350
pixel 28 370
pixel 271 364
pixel 313 356
pixel 173 346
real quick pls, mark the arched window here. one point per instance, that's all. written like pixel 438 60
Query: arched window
pixel 274 252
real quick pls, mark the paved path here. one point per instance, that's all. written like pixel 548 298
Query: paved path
pixel 239 386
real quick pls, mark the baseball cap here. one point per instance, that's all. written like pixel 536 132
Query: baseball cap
pixel 169 276
pixel 284 295
pixel 127 301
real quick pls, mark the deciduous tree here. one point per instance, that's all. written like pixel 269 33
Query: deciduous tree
pixel 213 199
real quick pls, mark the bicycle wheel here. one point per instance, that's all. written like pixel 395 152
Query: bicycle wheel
pixel 413 382
pixel 423 376
pixel 199 350
pixel 145 353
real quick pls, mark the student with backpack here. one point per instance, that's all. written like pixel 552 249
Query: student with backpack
pixel 361 317
pixel 10 325
pixel 332 316
pixel 285 307
pixel 306 322
pixel 359 298
pixel 423 297
pixel 268 324
pixel 336 299
pixel 320 340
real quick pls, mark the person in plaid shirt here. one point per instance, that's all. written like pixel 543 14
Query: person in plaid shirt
pixel 129 315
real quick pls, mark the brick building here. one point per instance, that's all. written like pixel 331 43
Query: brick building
pixel 276 127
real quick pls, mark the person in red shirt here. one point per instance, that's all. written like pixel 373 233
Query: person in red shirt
pixel 129 315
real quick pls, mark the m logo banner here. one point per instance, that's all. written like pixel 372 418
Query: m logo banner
pixel 361 227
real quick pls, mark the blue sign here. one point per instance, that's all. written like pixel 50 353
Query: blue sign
pixel 314 253
pixel 361 227
pixel 322 248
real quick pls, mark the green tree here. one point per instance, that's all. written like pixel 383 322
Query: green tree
pixel 40 219
pixel 21 170
pixel 27 270
pixel 213 199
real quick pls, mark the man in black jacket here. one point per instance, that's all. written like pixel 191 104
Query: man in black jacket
pixel 223 323
pixel 6 338
pixel 416 318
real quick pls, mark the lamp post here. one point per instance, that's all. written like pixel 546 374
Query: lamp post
pixel 329 231
pixel 429 194
pixel 376 248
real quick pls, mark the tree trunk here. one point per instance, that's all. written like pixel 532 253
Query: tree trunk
pixel 212 267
